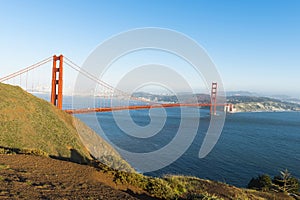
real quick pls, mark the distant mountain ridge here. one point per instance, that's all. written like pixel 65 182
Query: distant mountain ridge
pixel 241 93
pixel 285 98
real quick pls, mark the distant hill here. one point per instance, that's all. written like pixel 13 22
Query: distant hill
pixel 240 93
pixel 287 98
pixel 284 98
pixel 162 98
pixel 259 104
pixel 30 124
pixel 243 101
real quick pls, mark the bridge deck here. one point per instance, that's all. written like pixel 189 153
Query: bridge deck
pixel 139 107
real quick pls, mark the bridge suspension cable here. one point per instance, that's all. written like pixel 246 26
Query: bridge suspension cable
pixel 102 83
pixel 25 70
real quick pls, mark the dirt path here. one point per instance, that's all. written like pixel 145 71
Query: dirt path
pixel 32 177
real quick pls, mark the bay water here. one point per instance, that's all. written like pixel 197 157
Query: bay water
pixel 250 144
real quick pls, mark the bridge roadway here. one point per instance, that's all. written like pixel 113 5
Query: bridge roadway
pixel 138 107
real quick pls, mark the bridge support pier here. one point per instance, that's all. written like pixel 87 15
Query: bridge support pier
pixel 57 81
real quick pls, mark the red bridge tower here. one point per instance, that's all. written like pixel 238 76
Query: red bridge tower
pixel 57 82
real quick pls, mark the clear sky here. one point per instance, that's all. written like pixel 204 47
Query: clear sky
pixel 254 44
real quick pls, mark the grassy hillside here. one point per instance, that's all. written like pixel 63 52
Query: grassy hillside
pixel 34 125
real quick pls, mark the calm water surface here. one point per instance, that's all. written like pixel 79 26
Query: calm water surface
pixel 250 144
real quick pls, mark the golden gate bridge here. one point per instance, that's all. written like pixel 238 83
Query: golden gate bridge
pixel 107 92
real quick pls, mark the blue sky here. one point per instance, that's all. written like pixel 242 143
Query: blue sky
pixel 254 44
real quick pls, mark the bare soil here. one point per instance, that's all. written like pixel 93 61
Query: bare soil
pixel 34 177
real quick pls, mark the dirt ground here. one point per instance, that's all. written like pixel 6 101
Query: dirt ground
pixel 33 177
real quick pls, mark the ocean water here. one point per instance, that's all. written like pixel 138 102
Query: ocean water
pixel 250 143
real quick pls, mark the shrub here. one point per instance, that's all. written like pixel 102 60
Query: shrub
pixel 179 184
pixel 160 188
pixel 285 182
pixel 262 182
pixel 281 183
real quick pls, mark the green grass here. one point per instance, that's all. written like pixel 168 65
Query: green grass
pixel 34 126
pixel 3 166
pixel 167 187
pixel 27 122
pixel 187 187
